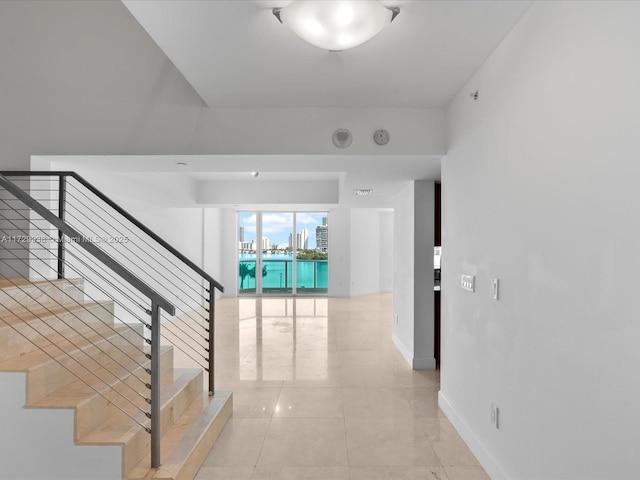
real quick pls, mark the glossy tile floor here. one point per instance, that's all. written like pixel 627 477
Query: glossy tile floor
pixel 320 392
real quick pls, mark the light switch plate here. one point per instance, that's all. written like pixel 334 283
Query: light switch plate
pixel 494 288
pixel 468 282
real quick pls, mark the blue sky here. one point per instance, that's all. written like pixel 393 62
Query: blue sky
pixel 277 226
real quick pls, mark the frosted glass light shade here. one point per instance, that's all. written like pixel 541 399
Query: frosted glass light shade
pixel 336 24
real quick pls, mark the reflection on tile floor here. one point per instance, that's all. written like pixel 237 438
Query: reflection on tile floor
pixel 320 392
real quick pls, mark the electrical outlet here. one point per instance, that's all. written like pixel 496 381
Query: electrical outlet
pixel 495 411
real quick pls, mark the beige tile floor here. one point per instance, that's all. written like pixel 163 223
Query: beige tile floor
pixel 320 392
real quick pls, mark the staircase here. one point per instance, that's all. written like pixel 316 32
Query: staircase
pixel 63 370
pixel 88 387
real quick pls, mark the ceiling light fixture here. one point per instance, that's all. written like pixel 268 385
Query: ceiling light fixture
pixel 255 174
pixel 336 25
pixel 361 192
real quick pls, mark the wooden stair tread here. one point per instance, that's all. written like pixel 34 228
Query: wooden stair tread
pixel 204 418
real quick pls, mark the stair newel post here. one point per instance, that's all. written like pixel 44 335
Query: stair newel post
pixel 62 205
pixel 211 338
pixel 155 385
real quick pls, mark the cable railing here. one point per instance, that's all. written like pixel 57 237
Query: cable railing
pixel 66 228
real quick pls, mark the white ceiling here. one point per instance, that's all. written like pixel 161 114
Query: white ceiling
pixel 236 53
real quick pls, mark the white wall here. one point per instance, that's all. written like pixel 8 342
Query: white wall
pixel 229 242
pixel 424 298
pixel 28 451
pixel 371 255
pixel 365 252
pixel 212 256
pixel 540 190
pixel 308 130
pixel 339 252
pixel 403 271
pixel 273 192
pixel 386 251
pixel 413 298
pixel 83 78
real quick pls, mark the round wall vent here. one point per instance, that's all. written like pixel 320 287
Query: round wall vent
pixel 342 138
pixel 381 137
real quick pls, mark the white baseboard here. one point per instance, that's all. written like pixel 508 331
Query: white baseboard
pixel 417 363
pixel 424 363
pixel 476 446
pixel 407 355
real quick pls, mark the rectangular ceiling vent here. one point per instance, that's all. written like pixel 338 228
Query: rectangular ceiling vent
pixel 361 192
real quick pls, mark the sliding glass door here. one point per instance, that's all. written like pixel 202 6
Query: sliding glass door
pixel 312 253
pixel 276 255
pixel 282 253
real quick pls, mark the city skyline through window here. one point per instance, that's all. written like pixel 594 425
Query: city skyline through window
pixel 283 252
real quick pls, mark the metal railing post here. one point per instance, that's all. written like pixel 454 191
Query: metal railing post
pixel 212 338
pixel 62 205
pixel 155 385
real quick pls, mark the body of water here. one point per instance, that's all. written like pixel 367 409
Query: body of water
pixel 312 275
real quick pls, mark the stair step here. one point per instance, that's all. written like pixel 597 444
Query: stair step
pixel 20 291
pixel 187 443
pixel 23 331
pixel 91 408
pixel 180 391
pixel 47 374
pixel 77 343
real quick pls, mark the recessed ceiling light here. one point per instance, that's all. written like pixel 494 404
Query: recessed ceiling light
pixel 255 174
pixel 361 192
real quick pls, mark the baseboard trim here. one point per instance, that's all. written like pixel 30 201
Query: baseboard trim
pixel 417 363
pixel 424 363
pixel 406 354
pixel 476 446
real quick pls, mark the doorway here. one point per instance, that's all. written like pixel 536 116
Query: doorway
pixel 283 253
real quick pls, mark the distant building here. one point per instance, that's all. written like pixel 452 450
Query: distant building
pixel 241 234
pixel 322 236
pixel 302 240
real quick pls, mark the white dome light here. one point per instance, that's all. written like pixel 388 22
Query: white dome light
pixel 336 24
